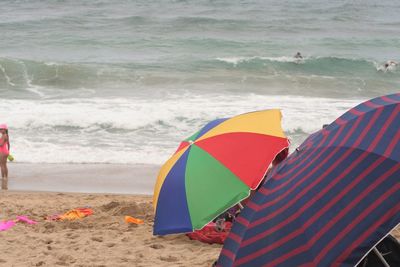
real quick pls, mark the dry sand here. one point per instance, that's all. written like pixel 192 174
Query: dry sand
pixel 102 239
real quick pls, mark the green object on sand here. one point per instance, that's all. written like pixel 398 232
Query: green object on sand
pixel 10 157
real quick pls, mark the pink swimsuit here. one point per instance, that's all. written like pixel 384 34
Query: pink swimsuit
pixel 4 147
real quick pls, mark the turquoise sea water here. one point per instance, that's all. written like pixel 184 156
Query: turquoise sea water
pixel 124 81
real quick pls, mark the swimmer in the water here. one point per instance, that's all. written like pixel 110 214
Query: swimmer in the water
pixel 390 64
pixel 298 55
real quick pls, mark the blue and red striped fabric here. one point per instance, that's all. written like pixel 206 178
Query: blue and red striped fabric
pixel 330 201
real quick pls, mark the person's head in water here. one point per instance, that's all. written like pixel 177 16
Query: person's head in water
pixel 390 63
pixel 298 55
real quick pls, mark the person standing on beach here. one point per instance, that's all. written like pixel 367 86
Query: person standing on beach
pixel 4 152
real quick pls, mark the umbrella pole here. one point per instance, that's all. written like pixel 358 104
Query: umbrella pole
pixel 380 257
pixel 240 205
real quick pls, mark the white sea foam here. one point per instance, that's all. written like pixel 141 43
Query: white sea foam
pixel 282 59
pixel 236 60
pixel 8 80
pixel 135 130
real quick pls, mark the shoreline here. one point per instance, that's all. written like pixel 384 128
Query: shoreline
pixel 83 178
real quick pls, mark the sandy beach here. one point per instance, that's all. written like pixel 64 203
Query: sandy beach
pixel 105 103
pixel 101 239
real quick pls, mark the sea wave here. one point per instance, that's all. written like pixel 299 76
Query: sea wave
pixel 333 65
pixel 20 73
pixel 143 130
pixel 319 76
pixel 47 78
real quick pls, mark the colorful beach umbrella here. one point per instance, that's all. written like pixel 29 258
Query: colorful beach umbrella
pixel 329 202
pixel 214 169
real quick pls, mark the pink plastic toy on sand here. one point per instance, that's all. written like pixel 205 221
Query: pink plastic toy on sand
pixel 5 225
pixel 25 219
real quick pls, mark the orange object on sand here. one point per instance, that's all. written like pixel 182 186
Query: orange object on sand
pixel 129 219
pixel 73 214
pixel 78 213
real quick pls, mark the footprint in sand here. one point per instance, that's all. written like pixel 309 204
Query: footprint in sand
pixel 111 205
pixel 97 238
pixel 65 260
pixel 48 227
pixel 75 225
pixel 47 241
pixel 168 258
pixel 90 197
pixel 139 255
pixel 157 246
pixel 72 236
pixel 131 227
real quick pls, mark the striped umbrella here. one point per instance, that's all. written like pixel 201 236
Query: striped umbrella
pixel 330 201
pixel 214 169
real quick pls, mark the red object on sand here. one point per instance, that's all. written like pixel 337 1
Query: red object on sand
pixel 74 214
pixel 209 234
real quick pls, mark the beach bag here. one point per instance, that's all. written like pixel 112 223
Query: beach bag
pixel 210 235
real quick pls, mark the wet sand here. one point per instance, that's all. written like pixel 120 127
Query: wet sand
pixel 84 178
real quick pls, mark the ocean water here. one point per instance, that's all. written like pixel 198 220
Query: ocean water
pixel 124 81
